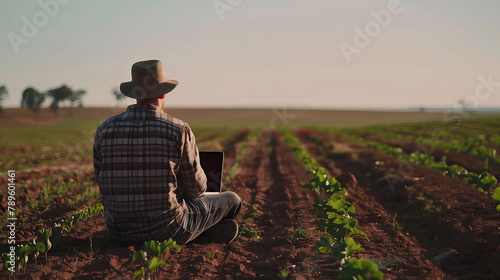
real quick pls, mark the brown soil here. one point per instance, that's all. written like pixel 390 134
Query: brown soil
pixel 421 224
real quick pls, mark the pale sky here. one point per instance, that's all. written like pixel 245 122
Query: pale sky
pixel 259 53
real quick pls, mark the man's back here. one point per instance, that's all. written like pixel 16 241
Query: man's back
pixel 141 157
pixel 148 170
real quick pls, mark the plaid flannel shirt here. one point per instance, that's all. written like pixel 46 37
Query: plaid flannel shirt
pixel 146 162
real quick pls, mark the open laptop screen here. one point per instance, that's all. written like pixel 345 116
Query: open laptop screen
pixel 212 163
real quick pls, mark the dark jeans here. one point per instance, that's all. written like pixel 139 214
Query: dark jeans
pixel 206 211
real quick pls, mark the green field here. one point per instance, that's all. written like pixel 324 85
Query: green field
pixel 373 193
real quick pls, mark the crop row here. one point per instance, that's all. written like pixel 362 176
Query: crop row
pixel 484 182
pixel 468 147
pixel 333 217
pixel 484 129
pixel 46 239
pixel 477 146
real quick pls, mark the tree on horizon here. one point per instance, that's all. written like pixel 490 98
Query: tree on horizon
pixel 59 94
pixel 74 97
pixel 3 92
pixel 64 93
pixel 32 99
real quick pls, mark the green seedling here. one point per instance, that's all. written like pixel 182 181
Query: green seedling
pixel 22 254
pixel 156 248
pixel 36 251
pixel 151 267
pixel 74 264
pixel 247 232
pixel 21 257
pixel 67 225
pixel 43 243
pixel 321 182
pixel 151 253
pixel 360 269
pixel 91 211
pixel 284 274
pixel 395 224
pixel 90 193
pixel 95 210
pixel 298 235
pixel 252 209
pixel 99 208
pixel 496 197
pixel 79 216
pixel 342 250
pixel 33 205
pixel 409 188
pixel 487 181
pixel 334 218
pixel 427 208
pixel 235 168
pixel 393 251
pixel 211 255
pixel 250 206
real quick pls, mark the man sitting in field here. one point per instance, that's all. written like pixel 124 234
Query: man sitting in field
pixel 148 170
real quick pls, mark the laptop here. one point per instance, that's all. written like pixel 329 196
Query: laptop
pixel 212 163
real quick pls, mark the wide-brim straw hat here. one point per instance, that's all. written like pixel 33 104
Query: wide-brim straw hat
pixel 148 81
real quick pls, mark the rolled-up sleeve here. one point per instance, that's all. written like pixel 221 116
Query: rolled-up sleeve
pixel 191 178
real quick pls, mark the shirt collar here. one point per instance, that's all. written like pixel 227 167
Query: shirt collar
pixel 143 107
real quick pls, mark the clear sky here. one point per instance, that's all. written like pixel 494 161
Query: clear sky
pixel 259 53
